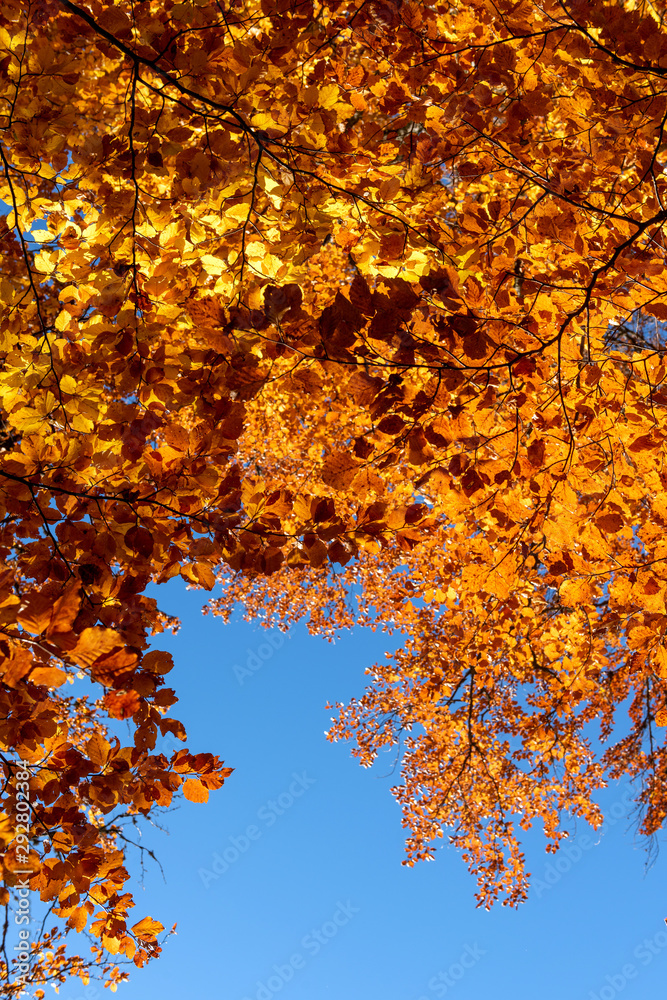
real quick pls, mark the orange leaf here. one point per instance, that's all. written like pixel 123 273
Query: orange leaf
pixel 98 749
pixel 93 643
pixel 147 929
pixel 194 791
pixel 15 667
pixel 48 676
pixel 339 470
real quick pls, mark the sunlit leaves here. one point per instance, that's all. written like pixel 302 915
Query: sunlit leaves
pixel 359 310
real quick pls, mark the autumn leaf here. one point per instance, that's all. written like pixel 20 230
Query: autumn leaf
pixel 121 705
pixel 50 676
pixel 368 338
pixel 93 643
pixel 195 791
pixel 147 929
pixel 339 470
pixel 98 749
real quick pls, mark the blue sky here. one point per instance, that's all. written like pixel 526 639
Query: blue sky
pixel 289 882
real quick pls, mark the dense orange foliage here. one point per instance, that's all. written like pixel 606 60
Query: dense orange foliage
pixel 358 308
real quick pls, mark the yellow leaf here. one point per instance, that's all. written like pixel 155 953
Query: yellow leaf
pixel 62 320
pixel 239 211
pixel 271 265
pixel 255 250
pixel 45 262
pixel 328 96
pixel 112 944
pixel 661 661
pixel 41 236
pixel 213 265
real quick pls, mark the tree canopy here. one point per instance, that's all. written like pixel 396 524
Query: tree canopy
pixel 352 312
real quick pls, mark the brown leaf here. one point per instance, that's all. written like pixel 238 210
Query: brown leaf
pixel 339 470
